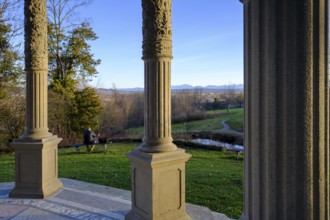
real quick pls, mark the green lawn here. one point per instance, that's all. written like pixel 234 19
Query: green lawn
pixel 213 179
pixel 112 169
pixel 234 118
pixel 210 124
pixel 7 172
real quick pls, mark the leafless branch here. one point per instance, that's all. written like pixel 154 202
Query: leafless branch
pixel 63 13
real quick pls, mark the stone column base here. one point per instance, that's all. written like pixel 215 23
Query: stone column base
pixel 36 172
pixel 158 185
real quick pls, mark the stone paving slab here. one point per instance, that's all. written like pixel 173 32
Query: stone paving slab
pixel 7 211
pixel 36 214
pixel 83 201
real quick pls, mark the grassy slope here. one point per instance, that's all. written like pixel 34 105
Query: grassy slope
pixel 209 124
pixel 213 179
pixel 234 118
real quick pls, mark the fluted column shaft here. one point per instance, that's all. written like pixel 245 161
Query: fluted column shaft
pixel 157 56
pixel 36 67
pixel 157 166
pixel 286 110
pixel 36 173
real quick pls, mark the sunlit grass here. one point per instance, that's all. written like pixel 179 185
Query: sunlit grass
pixel 210 124
pixel 7 168
pixel 233 117
pixel 213 179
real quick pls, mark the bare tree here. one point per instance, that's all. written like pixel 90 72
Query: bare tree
pixel 64 13
pixel 229 95
pixel 10 13
pixel 185 106
pixel 198 97
pixel 121 111
pixel 12 116
pixel 68 36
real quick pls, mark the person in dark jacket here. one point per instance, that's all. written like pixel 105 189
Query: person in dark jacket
pixel 89 139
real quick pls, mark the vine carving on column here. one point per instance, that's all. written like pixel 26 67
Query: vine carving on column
pixel 157 28
pixel 36 48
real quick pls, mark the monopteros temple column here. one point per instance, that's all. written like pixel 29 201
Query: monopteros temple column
pixel 286 110
pixel 36 150
pixel 158 166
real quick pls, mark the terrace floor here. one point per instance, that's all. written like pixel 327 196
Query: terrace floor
pixel 81 200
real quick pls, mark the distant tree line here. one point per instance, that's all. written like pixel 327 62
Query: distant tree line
pixel 125 110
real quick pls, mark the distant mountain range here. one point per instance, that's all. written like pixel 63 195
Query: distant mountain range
pixel 209 87
pixel 189 87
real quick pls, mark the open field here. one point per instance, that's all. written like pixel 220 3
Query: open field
pixel 213 179
pixel 233 117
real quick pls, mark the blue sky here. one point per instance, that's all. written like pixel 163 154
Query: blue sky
pixel 207 42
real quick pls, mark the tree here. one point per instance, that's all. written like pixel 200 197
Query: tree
pixel 86 110
pixel 11 70
pixel 12 117
pixel 71 112
pixel 12 101
pixel 186 107
pixel 70 54
pixel 71 107
pixel 59 104
pixel 121 111
pixel 117 107
pixel 229 96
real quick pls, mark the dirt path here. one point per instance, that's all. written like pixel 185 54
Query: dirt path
pixel 226 127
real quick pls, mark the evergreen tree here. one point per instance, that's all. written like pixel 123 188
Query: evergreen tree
pixel 86 110
pixel 71 58
pixel 70 62
pixel 12 100
pixel 11 69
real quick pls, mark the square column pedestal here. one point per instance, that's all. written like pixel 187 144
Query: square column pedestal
pixel 36 171
pixel 158 185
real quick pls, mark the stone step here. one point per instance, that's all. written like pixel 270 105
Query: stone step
pixel 203 213
pixel 81 200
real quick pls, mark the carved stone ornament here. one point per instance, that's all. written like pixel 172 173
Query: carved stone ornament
pixel 36 48
pixel 157 28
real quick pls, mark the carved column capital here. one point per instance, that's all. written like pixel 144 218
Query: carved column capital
pixel 36 67
pixel 36 48
pixel 157 28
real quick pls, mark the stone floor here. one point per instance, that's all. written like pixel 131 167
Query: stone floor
pixel 81 200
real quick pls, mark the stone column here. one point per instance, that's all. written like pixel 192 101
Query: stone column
pixel 286 110
pixel 36 151
pixel 158 166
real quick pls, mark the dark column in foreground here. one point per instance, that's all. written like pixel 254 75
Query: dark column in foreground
pixel 286 110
